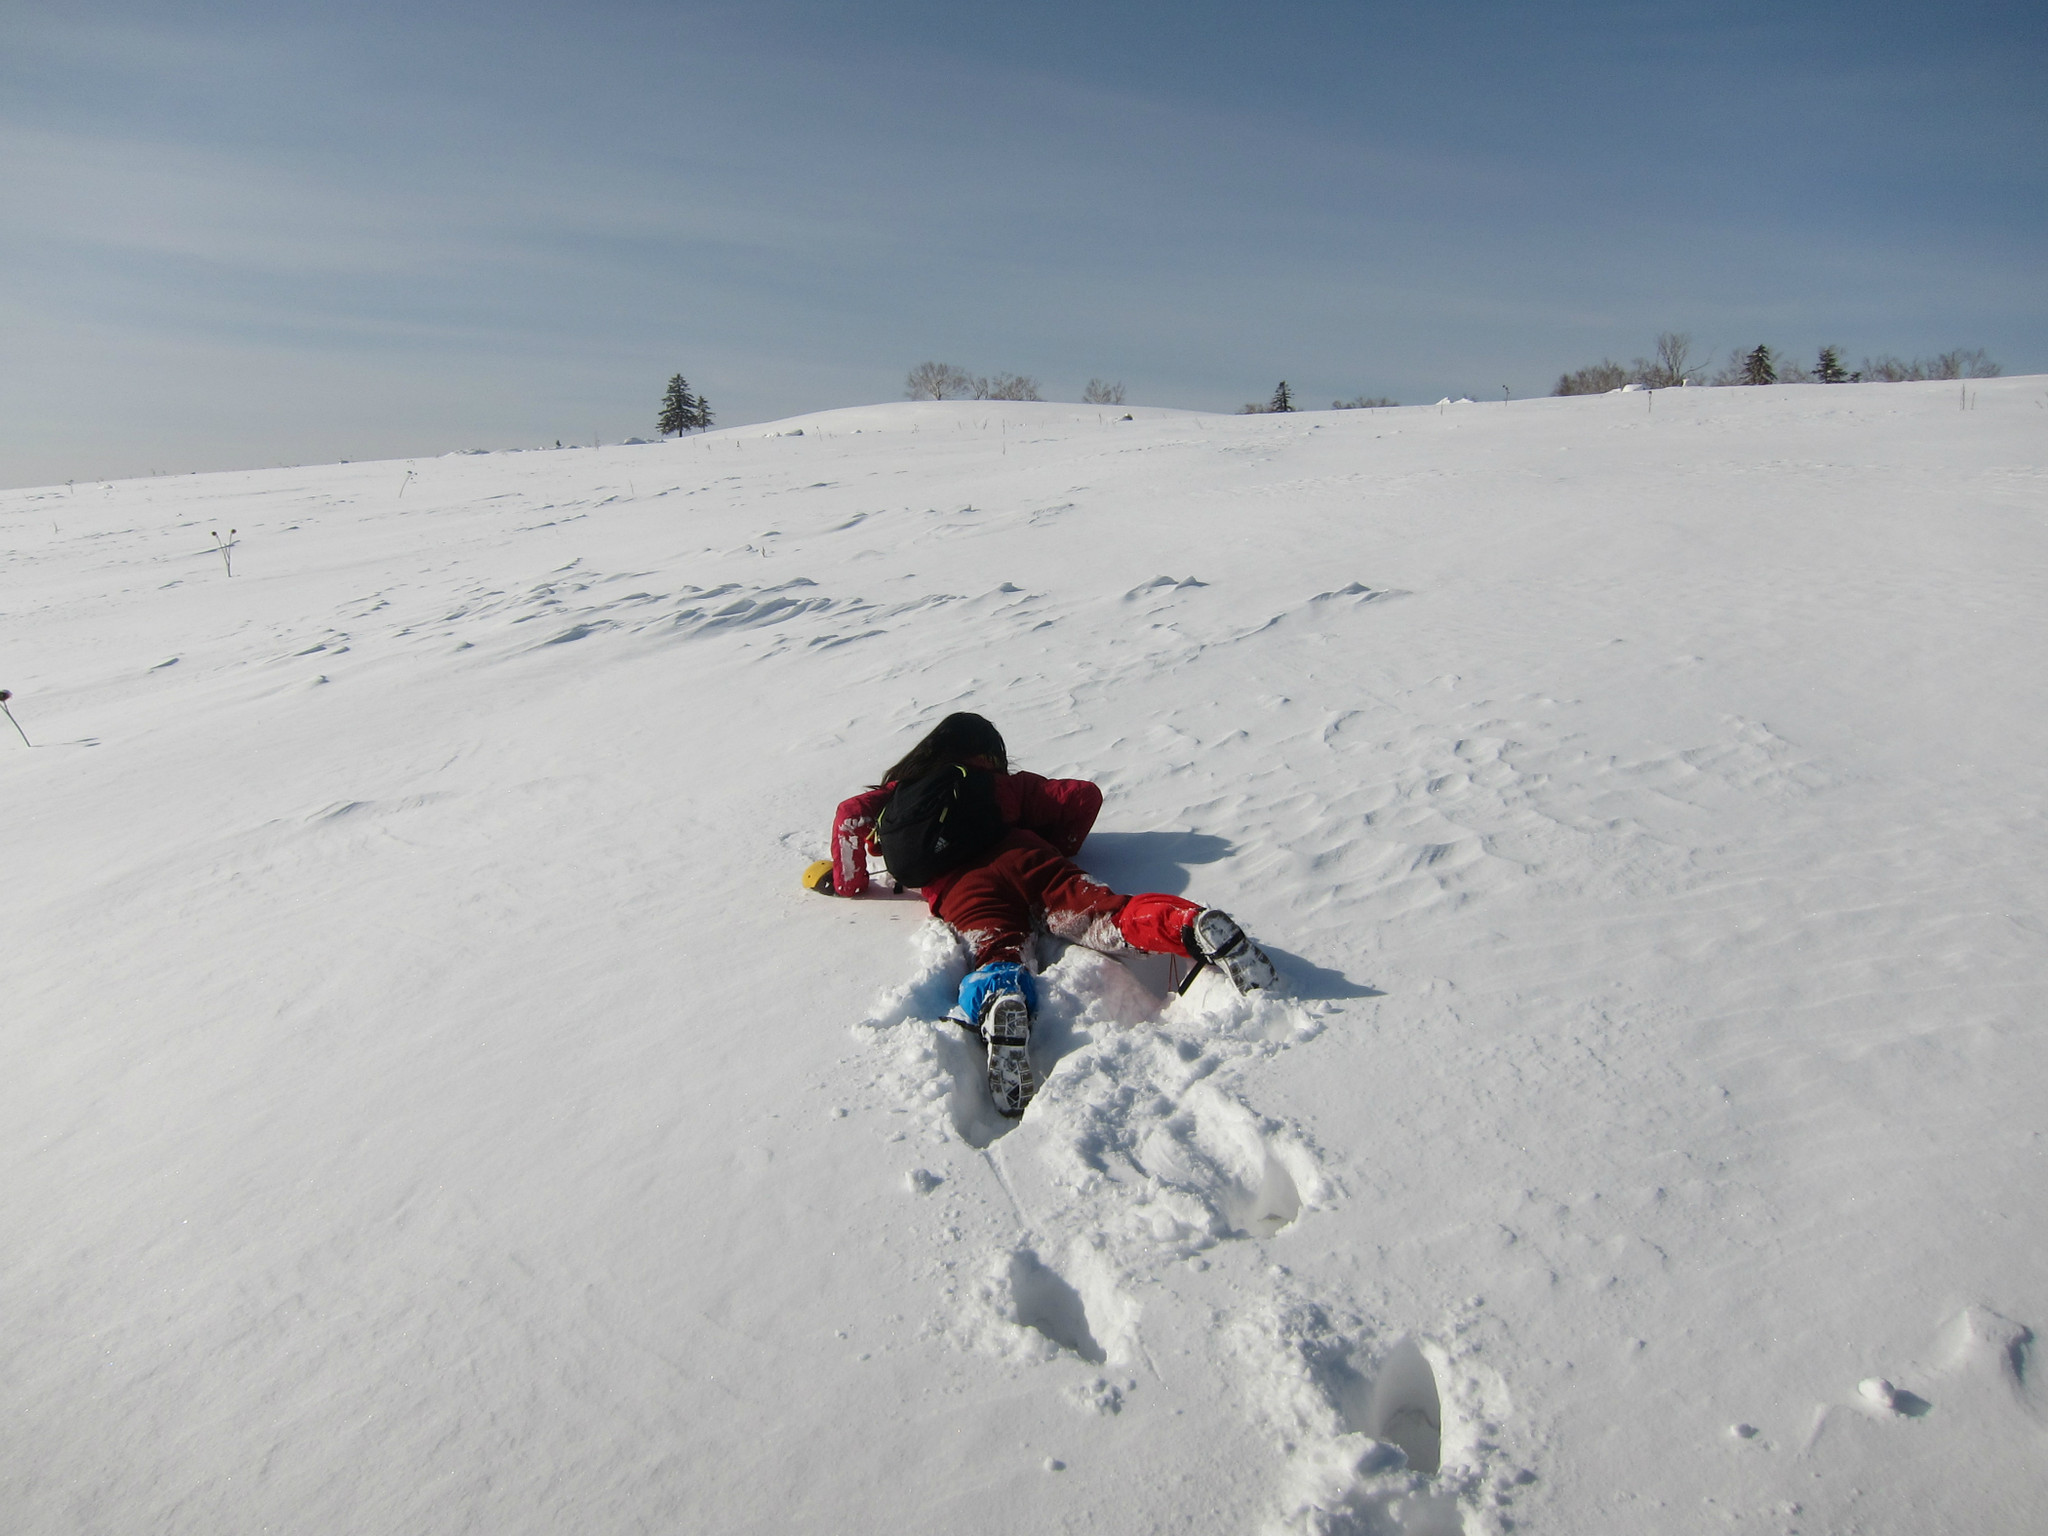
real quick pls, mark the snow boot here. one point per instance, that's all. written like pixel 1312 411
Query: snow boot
pixel 998 999
pixel 1215 938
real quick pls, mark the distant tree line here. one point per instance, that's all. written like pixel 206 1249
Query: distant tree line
pixel 1283 400
pixel 1675 364
pixel 944 381
pixel 682 411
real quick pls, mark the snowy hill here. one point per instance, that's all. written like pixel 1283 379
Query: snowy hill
pixel 433 1105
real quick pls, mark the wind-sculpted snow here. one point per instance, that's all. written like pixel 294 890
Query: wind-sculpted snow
pixel 433 1104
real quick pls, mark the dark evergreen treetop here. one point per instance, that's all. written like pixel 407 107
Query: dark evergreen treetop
pixel 1829 369
pixel 1758 368
pixel 679 408
pixel 1282 399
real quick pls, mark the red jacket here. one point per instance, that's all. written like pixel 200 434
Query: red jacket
pixel 1059 810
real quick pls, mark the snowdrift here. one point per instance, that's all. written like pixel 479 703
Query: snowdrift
pixel 432 1104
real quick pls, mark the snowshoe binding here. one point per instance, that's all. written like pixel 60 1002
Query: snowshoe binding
pixel 1215 939
pixel 999 999
pixel 1006 1030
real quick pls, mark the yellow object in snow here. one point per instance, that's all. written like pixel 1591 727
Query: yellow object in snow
pixel 818 877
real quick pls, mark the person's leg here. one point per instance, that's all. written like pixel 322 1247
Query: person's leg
pixel 989 907
pixel 1088 912
pixel 1073 905
pixel 999 1000
pixel 1081 909
pixel 1158 923
pixel 988 904
pixel 993 906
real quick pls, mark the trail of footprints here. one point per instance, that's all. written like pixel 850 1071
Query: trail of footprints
pixel 1115 1238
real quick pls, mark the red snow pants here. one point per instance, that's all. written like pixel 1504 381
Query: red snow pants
pixel 1024 878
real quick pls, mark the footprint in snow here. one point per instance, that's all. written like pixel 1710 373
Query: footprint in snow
pixel 1359 1418
pixel 1026 1310
pixel 1216 1150
pixel 1138 1154
pixel 1043 1300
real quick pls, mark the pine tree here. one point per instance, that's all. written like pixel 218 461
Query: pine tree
pixel 1829 369
pixel 1757 368
pixel 702 419
pixel 679 408
pixel 1282 400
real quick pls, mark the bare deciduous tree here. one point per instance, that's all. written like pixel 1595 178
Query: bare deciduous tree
pixel 1099 392
pixel 1673 365
pixel 1965 365
pixel 1007 386
pixel 1958 364
pixel 1594 379
pixel 938 381
pixel 1362 403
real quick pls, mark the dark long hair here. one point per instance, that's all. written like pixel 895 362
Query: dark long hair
pixel 953 740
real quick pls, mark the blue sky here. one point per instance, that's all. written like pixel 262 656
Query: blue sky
pixel 245 234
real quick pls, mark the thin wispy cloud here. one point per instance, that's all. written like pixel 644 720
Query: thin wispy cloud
pixel 534 217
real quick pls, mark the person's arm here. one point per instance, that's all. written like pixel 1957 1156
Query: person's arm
pixel 851 825
pixel 1059 810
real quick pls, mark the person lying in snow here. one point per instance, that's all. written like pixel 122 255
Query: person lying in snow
pixel 992 851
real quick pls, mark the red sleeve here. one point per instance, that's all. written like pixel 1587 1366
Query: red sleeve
pixel 852 824
pixel 1059 810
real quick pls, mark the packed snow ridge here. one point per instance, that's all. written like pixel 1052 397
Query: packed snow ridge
pixel 434 1104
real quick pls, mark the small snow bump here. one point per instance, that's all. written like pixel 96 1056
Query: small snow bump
pixel 1878 1392
pixel 1054 1464
pixel 922 1181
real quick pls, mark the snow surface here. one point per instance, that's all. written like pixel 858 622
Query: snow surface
pixel 433 1105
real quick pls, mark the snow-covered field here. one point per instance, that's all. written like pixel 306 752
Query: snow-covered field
pixel 431 1104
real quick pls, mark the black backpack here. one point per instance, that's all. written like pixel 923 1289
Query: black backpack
pixel 938 823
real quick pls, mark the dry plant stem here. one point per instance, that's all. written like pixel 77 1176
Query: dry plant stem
pixel 16 724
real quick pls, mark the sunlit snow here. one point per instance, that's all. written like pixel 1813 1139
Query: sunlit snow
pixel 432 1104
